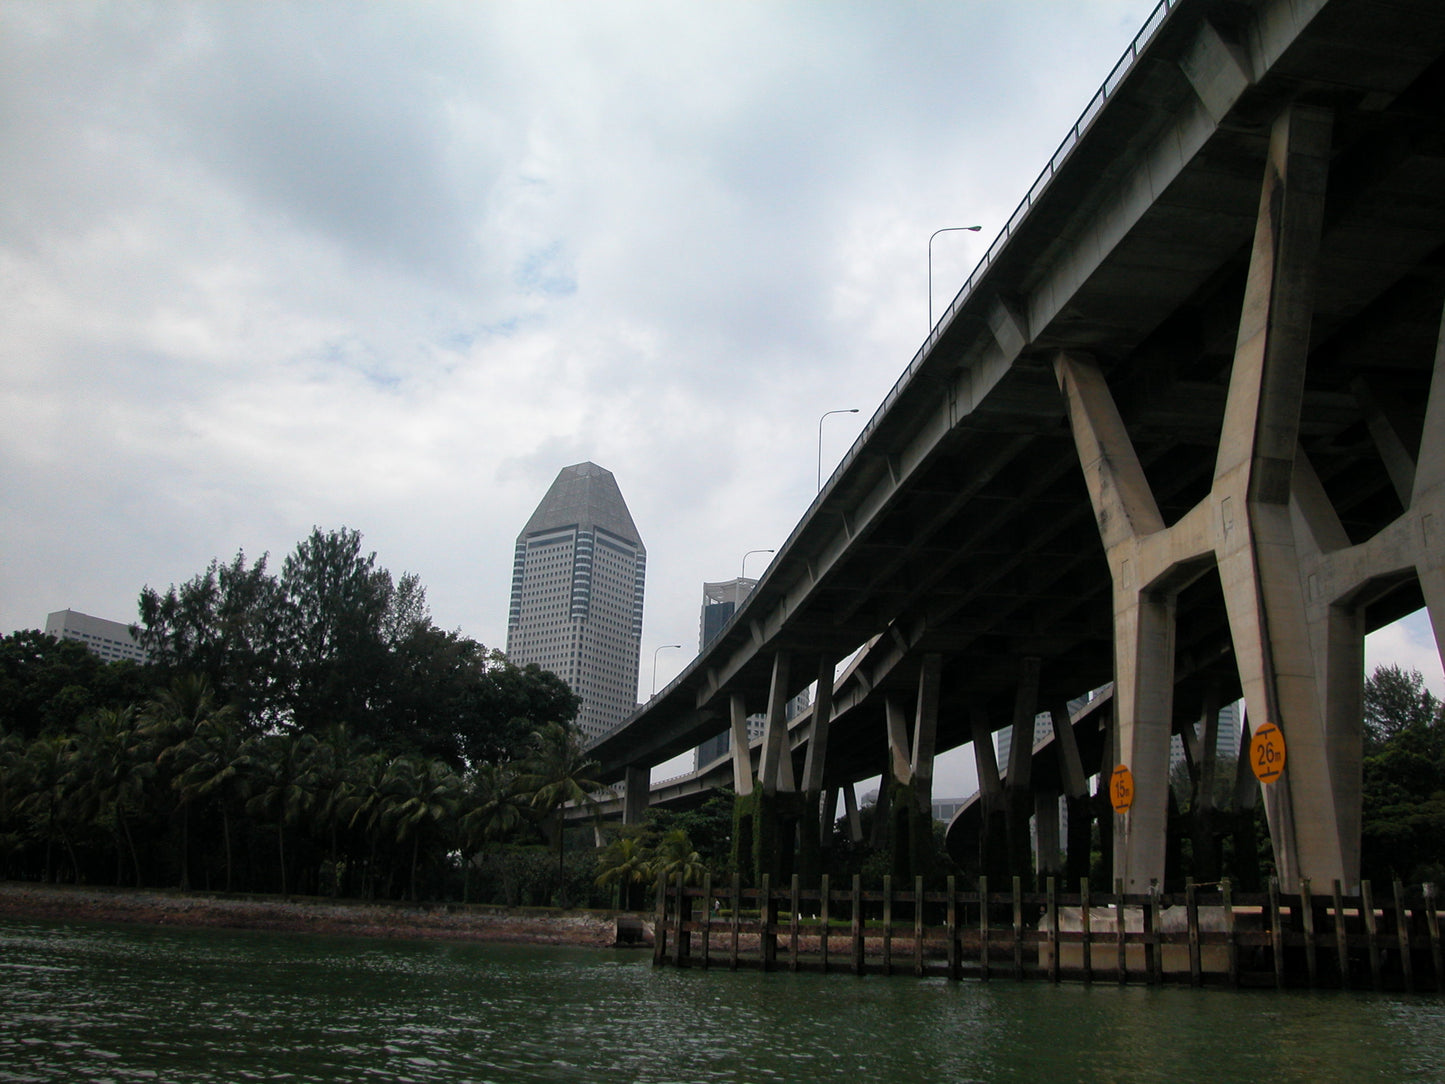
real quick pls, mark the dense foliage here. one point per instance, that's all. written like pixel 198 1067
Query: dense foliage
pixel 1404 776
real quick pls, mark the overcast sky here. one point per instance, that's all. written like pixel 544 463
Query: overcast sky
pixel 391 266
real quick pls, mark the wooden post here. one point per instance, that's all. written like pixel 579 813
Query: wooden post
pixel 1086 926
pixel 707 900
pixel 887 924
pixel 1154 944
pixel 1307 902
pixel 768 914
pixel 825 893
pixel 1053 931
pixel 1402 927
pixel 1432 920
pixel 1276 935
pixel 793 927
pixel 1119 930
pixel 955 969
pixel 1018 928
pixel 735 923
pixel 659 925
pixel 857 924
pixel 1367 908
pixel 1342 937
pixel 918 925
pixel 1191 914
pixel 1231 946
pixel 682 940
pixel 983 946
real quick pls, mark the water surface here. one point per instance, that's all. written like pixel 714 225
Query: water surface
pixel 95 1002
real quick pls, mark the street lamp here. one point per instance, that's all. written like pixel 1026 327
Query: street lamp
pixel 744 573
pixel 931 236
pixel 654 664
pixel 850 410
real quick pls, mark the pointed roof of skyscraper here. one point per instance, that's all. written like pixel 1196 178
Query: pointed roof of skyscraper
pixel 586 495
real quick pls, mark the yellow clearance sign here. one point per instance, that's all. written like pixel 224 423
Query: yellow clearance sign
pixel 1121 788
pixel 1266 753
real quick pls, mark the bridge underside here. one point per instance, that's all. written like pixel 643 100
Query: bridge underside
pixel 1182 433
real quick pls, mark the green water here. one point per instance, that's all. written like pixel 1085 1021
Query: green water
pixel 90 1002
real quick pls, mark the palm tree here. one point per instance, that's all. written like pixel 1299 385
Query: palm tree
pixel 47 784
pixel 627 863
pixel 117 764
pixel 558 773
pixel 334 777
pixel 675 857
pixel 423 798
pixel 279 772
pixel 210 768
pixel 172 719
pixel 494 807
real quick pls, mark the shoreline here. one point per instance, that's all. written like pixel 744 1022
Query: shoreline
pixel 307 914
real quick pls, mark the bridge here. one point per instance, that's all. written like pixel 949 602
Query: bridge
pixel 1182 431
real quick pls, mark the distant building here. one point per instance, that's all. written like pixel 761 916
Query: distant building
pixel 577 584
pixel 111 640
pixel 719 602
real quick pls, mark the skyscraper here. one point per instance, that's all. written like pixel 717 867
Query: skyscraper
pixel 577 581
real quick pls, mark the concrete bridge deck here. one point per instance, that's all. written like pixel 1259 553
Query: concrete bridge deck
pixel 1220 303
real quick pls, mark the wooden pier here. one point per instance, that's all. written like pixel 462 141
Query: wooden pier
pixel 1208 935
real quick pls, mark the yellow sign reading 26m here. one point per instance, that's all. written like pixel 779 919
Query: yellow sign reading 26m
pixel 1266 753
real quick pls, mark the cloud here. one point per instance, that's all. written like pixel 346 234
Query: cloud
pixel 270 266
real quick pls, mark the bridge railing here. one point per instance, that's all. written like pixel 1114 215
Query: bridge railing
pixel 1206 935
pixel 1096 104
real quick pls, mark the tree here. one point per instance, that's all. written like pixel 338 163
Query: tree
pixel 555 774
pixel 116 763
pixel 675 858
pixel 222 623
pixel 278 769
pixel 494 808
pixel 627 863
pixel 1397 701
pixel 1403 831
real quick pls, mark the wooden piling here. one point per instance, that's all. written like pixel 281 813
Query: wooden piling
pixel 1018 929
pixel 887 924
pixel 793 902
pixel 983 946
pixel 1119 931
pixel 1153 944
pixel 1191 915
pixel 768 915
pixel 682 936
pixel 1432 921
pixel 1053 906
pixel 1231 942
pixel 1367 908
pixel 918 926
pixel 1342 936
pixel 825 893
pixel 1402 927
pixel 1276 935
pixel 955 968
pixel 735 922
pixel 857 924
pixel 1085 924
pixel 1307 904
pixel 707 901
pixel 659 924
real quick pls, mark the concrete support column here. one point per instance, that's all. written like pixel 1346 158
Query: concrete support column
pixel 900 764
pixel 1427 500
pixel 1255 541
pixel 638 780
pixel 1046 830
pixel 771 775
pixel 850 808
pixel 815 762
pixel 742 756
pixel 925 732
pixel 1018 785
pixel 992 838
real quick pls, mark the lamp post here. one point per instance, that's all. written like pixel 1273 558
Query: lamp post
pixel 931 236
pixel 849 410
pixel 744 573
pixel 654 664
